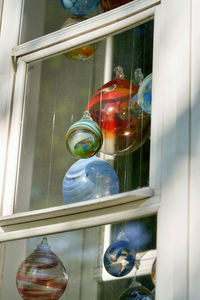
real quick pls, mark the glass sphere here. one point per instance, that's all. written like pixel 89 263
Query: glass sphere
pixel 110 4
pixel 42 275
pixel 119 258
pixel 84 138
pixel 137 292
pixel 80 7
pixel 84 52
pixel 110 108
pixel 89 179
pixel 144 94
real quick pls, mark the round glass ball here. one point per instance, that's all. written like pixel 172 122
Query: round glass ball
pixel 42 275
pixel 89 179
pixel 84 139
pixel 119 258
pixel 110 4
pixel 109 107
pixel 83 53
pixel 144 94
pixel 137 292
pixel 80 7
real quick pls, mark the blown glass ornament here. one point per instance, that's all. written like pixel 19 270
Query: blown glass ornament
pixel 84 52
pixel 136 292
pixel 110 4
pixel 144 94
pixel 88 179
pixel 42 275
pixel 119 258
pixel 80 7
pixel 153 272
pixel 110 108
pixel 84 138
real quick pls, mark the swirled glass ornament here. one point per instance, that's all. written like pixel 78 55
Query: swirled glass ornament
pixel 42 275
pixel 80 7
pixel 89 179
pixel 110 4
pixel 110 108
pixel 84 138
pixel 144 94
pixel 119 258
pixel 84 52
pixel 153 272
pixel 136 292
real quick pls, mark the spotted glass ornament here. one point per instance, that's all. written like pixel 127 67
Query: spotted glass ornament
pixel 83 53
pixel 110 4
pixel 89 179
pixel 84 138
pixel 80 7
pixel 42 275
pixel 119 258
pixel 110 108
pixel 137 292
pixel 144 94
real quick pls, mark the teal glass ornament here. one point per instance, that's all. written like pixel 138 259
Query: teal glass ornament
pixel 119 258
pixel 84 138
pixel 136 292
pixel 89 179
pixel 80 7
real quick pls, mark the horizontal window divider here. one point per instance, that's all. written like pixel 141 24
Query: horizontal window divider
pixel 92 29
pixel 77 217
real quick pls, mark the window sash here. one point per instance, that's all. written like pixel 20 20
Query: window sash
pixel 15 226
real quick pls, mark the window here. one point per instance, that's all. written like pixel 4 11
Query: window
pixel 33 164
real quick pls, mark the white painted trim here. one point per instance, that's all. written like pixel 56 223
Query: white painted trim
pixel 81 220
pixel 93 28
pixel 66 210
pixel 14 140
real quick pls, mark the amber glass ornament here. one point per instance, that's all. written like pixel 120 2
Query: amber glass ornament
pixel 84 52
pixel 123 132
pixel 110 4
pixel 42 275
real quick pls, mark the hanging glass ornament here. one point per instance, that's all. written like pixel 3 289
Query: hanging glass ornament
pixel 119 258
pixel 110 4
pixel 89 179
pixel 84 52
pixel 84 138
pixel 135 292
pixel 80 7
pixel 42 275
pixel 144 94
pixel 110 108
pixel 153 272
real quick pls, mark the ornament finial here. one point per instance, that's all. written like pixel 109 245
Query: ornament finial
pixel 119 72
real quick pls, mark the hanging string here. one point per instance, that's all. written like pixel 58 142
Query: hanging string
pixel 51 151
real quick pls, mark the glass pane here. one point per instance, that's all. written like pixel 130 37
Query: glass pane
pixel 41 17
pixel 80 270
pixel 110 85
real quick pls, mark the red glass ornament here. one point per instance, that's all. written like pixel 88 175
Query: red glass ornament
pixel 110 4
pixel 110 109
pixel 42 275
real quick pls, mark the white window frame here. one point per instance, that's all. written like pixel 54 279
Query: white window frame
pixel 174 41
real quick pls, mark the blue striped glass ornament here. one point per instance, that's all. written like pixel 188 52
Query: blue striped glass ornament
pixel 89 179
